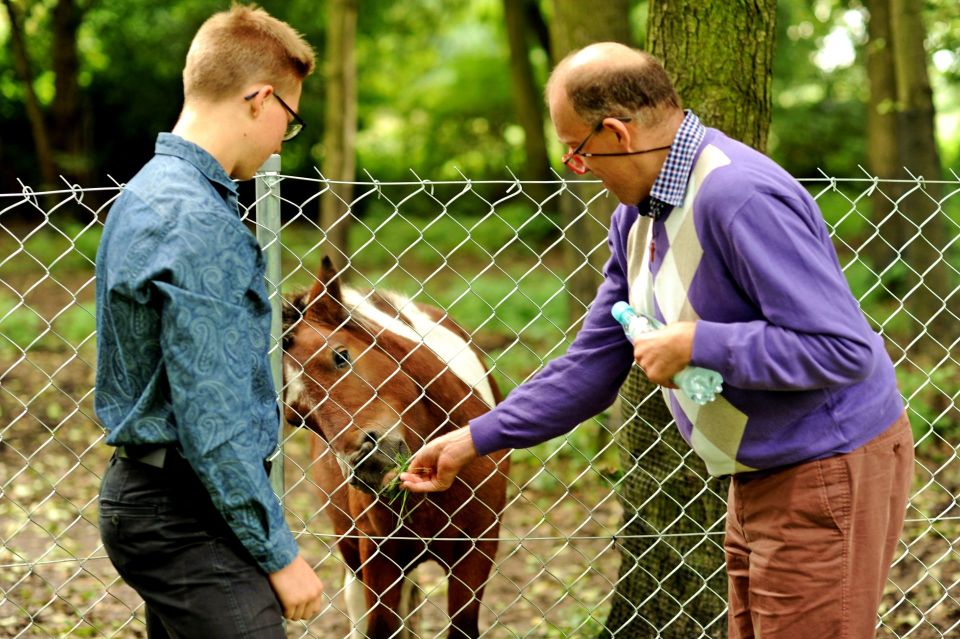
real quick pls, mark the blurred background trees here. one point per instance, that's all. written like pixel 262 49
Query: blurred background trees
pixel 447 90
pixel 441 86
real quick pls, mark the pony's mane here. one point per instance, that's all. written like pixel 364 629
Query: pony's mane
pixel 382 320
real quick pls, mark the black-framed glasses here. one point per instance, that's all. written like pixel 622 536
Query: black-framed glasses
pixel 294 126
pixel 574 159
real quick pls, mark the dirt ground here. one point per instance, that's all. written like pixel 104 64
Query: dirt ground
pixel 556 565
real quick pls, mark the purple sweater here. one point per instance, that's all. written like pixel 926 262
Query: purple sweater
pixel 804 375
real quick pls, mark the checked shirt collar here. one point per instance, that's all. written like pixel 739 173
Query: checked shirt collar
pixel 671 185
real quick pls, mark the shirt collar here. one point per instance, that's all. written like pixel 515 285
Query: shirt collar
pixel 170 144
pixel 671 185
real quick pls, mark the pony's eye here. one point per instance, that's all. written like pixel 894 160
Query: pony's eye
pixel 341 359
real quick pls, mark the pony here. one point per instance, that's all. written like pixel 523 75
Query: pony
pixel 376 375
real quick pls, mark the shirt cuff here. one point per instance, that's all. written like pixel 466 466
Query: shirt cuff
pixel 483 432
pixel 710 349
pixel 281 557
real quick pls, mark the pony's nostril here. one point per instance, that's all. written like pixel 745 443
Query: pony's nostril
pixel 370 437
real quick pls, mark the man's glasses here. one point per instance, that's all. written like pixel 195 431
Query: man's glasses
pixel 294 126
pixel 574 159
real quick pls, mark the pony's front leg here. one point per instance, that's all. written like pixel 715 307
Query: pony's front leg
pixel 384 584
pixel 465 588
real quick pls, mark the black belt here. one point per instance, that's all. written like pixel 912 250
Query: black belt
pixel 156 454
pixel 149 454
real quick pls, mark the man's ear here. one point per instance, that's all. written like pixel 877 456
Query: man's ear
pixel 256 102
pixel 618 128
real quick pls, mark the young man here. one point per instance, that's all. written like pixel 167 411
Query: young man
pixel 731 252
pixel 184 388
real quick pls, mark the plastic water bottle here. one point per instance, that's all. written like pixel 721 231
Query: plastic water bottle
pixel 699 384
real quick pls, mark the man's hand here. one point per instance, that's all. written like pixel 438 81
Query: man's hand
pixel 298 588
pixel 435 466
pixel 663 353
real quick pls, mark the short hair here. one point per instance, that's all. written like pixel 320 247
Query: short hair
pixel 241 46
pixel 631 85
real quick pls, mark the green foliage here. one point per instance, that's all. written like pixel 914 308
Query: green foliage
pixel 436 99
pixel 464 229
pixel 818 114
pixel 23 328
pixel 434 84
pixel 70 247
pixel 928 394
pixel 19 326
pixel 72 329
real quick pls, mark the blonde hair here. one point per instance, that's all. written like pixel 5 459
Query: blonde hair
pixel 244 45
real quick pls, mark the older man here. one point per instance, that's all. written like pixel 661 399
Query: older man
pixel 730 252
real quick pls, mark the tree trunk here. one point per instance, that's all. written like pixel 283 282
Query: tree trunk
pixel 528 100
pixel 927 235
pixel 585 214
pixel 720 58
pixel 340 132
pixel 66 109
pixel 883 153
pixel 41 139
pixel 672 581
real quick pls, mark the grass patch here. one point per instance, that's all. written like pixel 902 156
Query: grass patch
pixel 19 326
pixel 68 246
pixel 24 329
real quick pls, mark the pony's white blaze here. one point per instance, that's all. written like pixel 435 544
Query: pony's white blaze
pixel 295 387
pixel 449 347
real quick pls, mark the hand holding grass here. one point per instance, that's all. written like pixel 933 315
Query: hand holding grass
pixel 434 467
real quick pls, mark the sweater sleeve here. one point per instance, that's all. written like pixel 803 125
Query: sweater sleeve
pixel 574 387
pixel 810 332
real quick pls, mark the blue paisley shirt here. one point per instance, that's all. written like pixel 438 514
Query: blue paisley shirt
pixel 183 328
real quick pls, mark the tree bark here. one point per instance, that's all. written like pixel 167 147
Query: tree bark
pixel 672 581
pixel 38 126
pixel 912 236
pixel 528 101
pixel 720 58
pixel 339 140
pixel 66 111
pixel 538 26
pixel 883 152
pixel 927 235
pixel 585 214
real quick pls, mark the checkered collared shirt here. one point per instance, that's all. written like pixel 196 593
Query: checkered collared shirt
pixel 671 184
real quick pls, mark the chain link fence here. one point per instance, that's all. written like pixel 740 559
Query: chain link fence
pixel 496 257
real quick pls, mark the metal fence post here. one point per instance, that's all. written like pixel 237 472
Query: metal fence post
pixel 268 235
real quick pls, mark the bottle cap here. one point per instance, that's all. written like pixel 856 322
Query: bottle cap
pixel 621 310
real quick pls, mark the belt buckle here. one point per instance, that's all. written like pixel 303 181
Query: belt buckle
pixel 155 456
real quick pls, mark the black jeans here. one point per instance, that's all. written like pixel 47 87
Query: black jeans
pixel 170 544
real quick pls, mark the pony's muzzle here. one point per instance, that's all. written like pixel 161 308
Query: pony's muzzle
pixel 377 456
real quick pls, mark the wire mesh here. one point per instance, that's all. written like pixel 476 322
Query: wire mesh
pixel 495 257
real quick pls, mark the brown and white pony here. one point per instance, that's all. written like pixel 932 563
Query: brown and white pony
pixel 376 375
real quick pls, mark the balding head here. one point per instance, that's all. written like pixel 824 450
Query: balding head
pixel 610 79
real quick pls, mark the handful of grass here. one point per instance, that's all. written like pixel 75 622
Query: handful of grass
pixel 392 491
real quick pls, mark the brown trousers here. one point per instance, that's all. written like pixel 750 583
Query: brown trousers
pixel 809 548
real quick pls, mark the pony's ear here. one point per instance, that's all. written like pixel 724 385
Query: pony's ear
pixel 292 309
pixel 325 303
